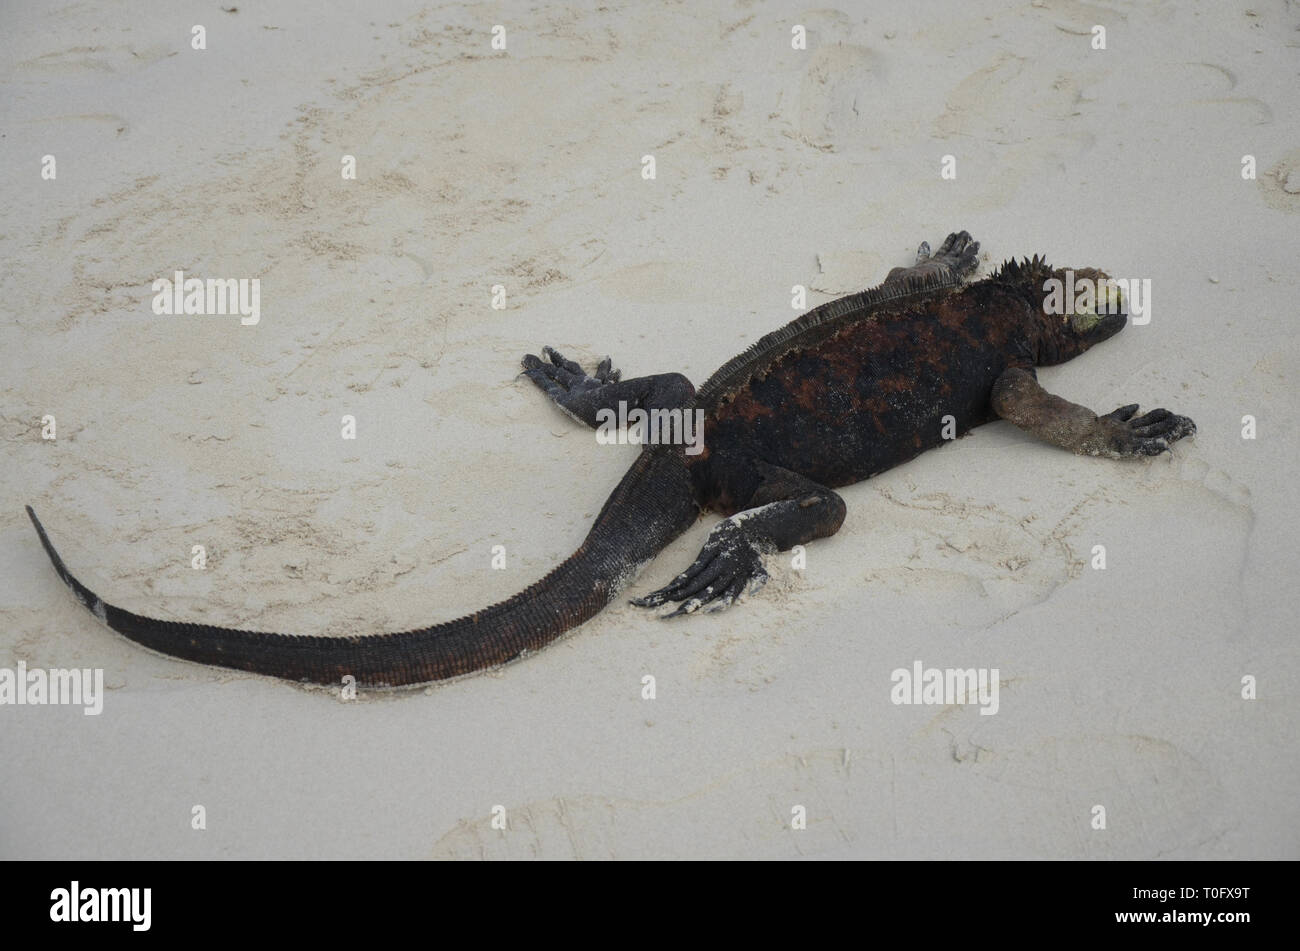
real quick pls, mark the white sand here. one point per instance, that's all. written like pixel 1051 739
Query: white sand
pixel 775 167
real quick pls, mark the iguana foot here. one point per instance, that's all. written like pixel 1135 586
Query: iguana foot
pixel 583 396
pixel 554 373
pixel 1150 434
pixel 959 252
pixel 957 258
pixel 729 564
pixel 564 381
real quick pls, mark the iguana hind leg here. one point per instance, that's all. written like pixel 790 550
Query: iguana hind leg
pixel 958 257
pixel 786 510
pixel 1018 397
pixel 582 395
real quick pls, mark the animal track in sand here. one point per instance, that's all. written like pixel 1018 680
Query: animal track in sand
pixel 1280 185
pixel 984 560
pixel 871 800
pixel 103 59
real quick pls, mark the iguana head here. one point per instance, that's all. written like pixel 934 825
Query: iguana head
pixel 1075 307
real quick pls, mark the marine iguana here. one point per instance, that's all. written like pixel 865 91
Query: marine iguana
pixel 842 393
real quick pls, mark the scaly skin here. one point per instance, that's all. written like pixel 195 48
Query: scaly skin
pixel 848 390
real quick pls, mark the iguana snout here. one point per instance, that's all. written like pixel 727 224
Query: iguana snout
pixel 1095 310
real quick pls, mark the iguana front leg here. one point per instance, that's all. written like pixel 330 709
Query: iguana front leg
pixel 582 396
pixel 786 510
pixel 1018 397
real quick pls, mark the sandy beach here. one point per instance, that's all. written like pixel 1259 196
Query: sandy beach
pixel 524 168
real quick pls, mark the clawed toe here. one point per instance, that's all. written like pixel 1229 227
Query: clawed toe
pixel 606 373
pixel 557 358
pixel 1123 414
pixel 545 375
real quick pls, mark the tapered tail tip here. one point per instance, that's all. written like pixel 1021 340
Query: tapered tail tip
pixel 40 529
pixel 47 545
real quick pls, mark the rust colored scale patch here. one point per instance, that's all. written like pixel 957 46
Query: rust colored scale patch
pixel 847 399
pixel 814 328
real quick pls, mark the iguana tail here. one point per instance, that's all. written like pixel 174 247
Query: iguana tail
pixel 652 505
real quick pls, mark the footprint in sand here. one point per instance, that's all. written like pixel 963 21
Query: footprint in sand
pixel 1280 185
